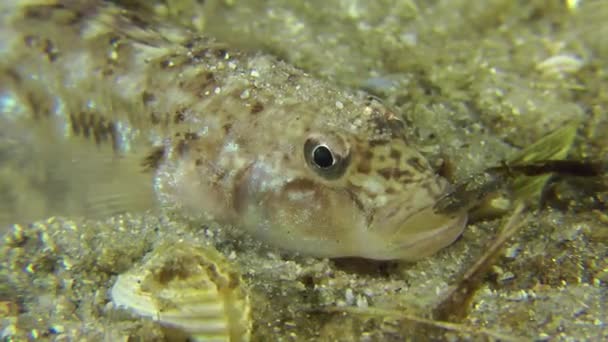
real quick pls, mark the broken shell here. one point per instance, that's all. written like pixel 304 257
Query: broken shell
pixel 190 290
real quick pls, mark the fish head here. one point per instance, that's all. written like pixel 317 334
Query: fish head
pixel 347 185
pixel 347 190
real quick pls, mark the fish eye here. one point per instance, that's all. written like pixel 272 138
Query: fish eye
pixel 322 157
pixel 327 156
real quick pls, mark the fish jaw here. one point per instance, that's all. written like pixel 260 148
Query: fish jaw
pixel 409 227
pixel 422 234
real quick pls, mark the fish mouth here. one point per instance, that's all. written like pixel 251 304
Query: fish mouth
pixel 413 233
pixel 425 232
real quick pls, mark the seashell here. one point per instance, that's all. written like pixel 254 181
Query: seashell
pixel 192 291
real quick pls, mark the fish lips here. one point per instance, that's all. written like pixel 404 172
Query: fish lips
pixel 421 233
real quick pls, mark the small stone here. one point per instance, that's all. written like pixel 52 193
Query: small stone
pixel 56 329
pixel 349 297
pixel 506 276
pixel 512 251
pixel 560 64
pixel 362 301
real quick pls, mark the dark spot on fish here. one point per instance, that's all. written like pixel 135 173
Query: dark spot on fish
pixel 417 164
pixel 44 45
pixel 113 131
pixel 190 136
pixel 227 127
pixel 395 173
pixel 201 85
pixel 198 162
pixel 49 49
pixel 83 124
pixel 182 147
pixel 395 154
pixel 234 280
pixel 179 117
pixel 41 12
pixel 220 280
pixel 389 125
pixel 386 173
pixel 147 98
pixel 29 40
pixel 13 75
pixel 378 142
pixel 256 107
pixel 75 124
pixel 356 200
pixel 39 104
pixel 240 190
pixel 90 124
pixel 154 118
pixel 404 175
pixel 354 187
pixel 99 130
pixel 153 159
pixel 357 188
pixel 135 19
pixel 364 167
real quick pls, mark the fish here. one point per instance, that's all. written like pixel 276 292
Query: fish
pixel 240 138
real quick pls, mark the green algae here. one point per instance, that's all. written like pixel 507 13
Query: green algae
pixel 554 146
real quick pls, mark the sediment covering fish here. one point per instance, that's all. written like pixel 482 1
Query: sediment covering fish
pixel 235 137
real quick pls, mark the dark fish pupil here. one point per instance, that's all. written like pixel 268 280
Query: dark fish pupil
pixel 322 157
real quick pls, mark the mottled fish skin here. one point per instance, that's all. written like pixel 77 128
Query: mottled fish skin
pixel 233 135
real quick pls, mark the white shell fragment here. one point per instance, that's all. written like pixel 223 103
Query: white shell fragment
pixel 190 290
pixel 560 65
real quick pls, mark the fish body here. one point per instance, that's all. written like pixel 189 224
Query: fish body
pixel 235 137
